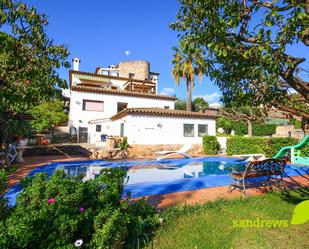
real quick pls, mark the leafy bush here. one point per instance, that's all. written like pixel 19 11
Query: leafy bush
pixel 246 145
pixel 211 145
pixel 263 129
pixel 304 152
pixel 3 185
pixel 276 143
pixel 48 114
pixel 58 211
pixel 124 143
pixel 251 145
pixel 3 181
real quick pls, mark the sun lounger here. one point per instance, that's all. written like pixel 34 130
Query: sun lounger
pixel 182 151
pixel 251 157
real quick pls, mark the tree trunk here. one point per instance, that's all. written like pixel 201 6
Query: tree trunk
pixel 249 128
pixel 189 96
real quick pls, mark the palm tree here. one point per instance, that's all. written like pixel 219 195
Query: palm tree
pixel 187 62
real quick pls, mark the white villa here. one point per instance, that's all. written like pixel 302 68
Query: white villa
pixel 123 100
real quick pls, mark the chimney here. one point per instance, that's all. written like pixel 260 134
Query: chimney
pixel 76 62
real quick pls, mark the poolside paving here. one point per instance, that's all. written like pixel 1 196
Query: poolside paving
pixel 161 201
pixel 23 169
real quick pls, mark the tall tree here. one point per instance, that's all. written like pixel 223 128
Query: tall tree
pixel 187 62
pixel 246 44
pixel 28 61
pixel 247 114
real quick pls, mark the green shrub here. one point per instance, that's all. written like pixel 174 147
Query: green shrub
pixel 304 152
pixel 263 129
pixel 211 145
pixel 239 127
pixel 57 211
pixel 3 185
pixel 124 143
pixel 3 181
pixel 276 143
pixel 252 145
pixel 246 145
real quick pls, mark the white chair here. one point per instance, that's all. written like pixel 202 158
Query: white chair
pixel 182 151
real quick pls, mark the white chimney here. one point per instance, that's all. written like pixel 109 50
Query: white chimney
pixel 76 62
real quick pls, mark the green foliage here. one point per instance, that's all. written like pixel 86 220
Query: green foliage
pixel 48 114
pixel 29 59
pixel 57 211
pixel 211 145
pixel 246 145
pixel 253 145
pixel 276 143
pixel 304 152
pixel 296 123
pixel 3 181
pixel 187 62
pixel 263 129
pixel 124 143
pixel 241 128
pixel 3 185
pixel 244 45
pixel 180 104
pixel 199 105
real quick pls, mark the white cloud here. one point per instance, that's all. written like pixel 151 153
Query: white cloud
pixel 167 91
pixel 210 98
pixel 215 105
pixel 127 52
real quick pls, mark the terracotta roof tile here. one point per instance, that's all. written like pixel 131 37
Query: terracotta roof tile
pixel 209 114
pixel 118 92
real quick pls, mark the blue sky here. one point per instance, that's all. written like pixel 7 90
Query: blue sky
pixel 99 32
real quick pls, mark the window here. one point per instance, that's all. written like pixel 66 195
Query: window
pixel 131 75
pixel 92 105
pixel 121 106
pixel 166 107
pixel 98 128
pixel 104 72
pixel 114 87
pixel 188 130
pixel 202 130
pixel 115 74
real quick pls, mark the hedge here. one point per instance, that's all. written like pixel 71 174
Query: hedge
pixel 252 145
pixel 211 145
pixel 263 129
pixel 241 127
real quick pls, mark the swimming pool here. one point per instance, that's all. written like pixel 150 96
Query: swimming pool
pixel 151 177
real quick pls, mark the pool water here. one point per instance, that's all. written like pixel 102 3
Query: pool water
pixel 151 177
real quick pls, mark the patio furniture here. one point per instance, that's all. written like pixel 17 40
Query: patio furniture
pixel 12 154
pixel 259 171
pixel 182 151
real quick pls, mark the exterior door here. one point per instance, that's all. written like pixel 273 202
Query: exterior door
pixel 83 134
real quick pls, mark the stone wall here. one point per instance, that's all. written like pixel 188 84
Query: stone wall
pixel 148 151
pixel 289 131
pixel 139 68
pixel 108 154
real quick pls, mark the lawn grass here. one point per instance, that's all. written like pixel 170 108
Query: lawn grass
pixel 211 225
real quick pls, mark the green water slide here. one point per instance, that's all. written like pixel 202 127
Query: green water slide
pixel 295 152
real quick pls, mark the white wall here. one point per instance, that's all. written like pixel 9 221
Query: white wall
pixel 78 117
pixel 146 129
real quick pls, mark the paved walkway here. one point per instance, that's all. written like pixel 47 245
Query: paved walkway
pixel 32 162
pixel 163 200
